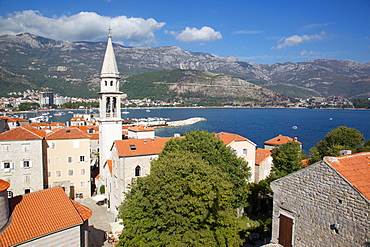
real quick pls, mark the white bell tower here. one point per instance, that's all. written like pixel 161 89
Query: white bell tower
pixel 110 122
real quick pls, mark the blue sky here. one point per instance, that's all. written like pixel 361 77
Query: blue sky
pixel 260 31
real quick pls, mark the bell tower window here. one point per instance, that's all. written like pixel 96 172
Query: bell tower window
pixel 111 83
pixel 106 83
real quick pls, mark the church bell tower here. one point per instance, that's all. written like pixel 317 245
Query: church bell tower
pixel 110 122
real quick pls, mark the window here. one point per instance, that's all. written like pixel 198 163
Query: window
pixel 69 159
pixel 25 148
pixel 58 174
pixel 53 145
pixel 105 83
pixel 111 83
pixel 27 178
pixel 83 171
pixel 76 144
pixel 245 151
pixel 82 158
pixel 49 174
pixel 6 165
pixel 70 172
pixel 235 151
pixel 58 160
pixel 26 191
pixel 48 160
pixel 26 164
pixel 133 147
pixel 5 148
pixel 137 171
pixel 82 184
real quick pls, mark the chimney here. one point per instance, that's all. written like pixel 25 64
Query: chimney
pixel 295 139
pixel 144 141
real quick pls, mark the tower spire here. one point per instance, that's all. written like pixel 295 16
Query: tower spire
pixel 109 68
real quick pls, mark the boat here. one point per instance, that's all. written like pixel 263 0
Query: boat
pixel 39 119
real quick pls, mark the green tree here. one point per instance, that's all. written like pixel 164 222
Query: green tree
pixel 183 202
pixel 341 138
pixel 286 158
pixel 217 154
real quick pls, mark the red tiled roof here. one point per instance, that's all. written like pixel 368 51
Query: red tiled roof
pixel 40 213
pixel 67 133
pixel 24 132
pixel 109 163
pixel 261 155
pixel 14 119
pixel 140 128
pixel 39 124
pixel 137 147
pixel 57 123
pixel 280 140
pixel 227 138
pixel 77 119
pixel 355 168
pixel 94 136
pixel 4 185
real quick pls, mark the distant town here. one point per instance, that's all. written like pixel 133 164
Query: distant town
pixel 33 99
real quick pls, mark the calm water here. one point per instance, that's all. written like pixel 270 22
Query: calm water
pixel 258 125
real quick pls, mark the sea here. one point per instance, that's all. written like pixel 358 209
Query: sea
pixel 256 124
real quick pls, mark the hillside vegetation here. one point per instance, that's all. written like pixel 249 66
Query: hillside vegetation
pixel 69 68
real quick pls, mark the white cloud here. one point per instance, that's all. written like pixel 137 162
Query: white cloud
pixel 196 35
pixel 296 40
pixel 247 32
pixel 87 26
pixel 317 25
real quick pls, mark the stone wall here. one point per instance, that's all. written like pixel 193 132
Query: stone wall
pixel 317 197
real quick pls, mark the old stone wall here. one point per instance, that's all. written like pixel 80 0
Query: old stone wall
pixel 317 198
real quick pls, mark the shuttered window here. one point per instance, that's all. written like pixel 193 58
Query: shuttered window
pixel 285 231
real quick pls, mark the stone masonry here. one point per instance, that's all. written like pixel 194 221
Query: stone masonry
pixel 326 209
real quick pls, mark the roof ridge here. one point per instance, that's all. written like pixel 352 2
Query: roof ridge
pixel 31 131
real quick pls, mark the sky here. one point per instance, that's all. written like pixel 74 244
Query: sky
pixel 259 31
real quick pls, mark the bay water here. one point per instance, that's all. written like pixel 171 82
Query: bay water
pixel 256 124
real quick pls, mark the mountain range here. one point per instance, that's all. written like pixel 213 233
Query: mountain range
pixel 72 69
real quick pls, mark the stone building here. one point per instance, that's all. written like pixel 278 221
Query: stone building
pixel 325 204
pixel 43 218
pixel 22 160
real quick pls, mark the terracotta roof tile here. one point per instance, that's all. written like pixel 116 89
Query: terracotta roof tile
pixel 137 147
pixel 24 132
pixel 77 119
pixel 4 185
pixel 109 163
pixel 39 124
pixel 355 168
pixel 280 140
pixel 140 128
pixel 14 119
pixel 228 138
pixel 261 155
pixel 57 124
pixel 67 133
pixel 94 136
pixel 41 213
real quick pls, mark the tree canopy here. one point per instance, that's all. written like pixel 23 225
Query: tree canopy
pixel 341 138
pixel 186 200
pixel 217 154
pixel 287 158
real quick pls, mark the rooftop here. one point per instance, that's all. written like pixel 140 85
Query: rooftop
pixel 40 213
pixel 261 155
pixel 355 168
pixel 25 132
pixel 67 133
pixel 280 139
